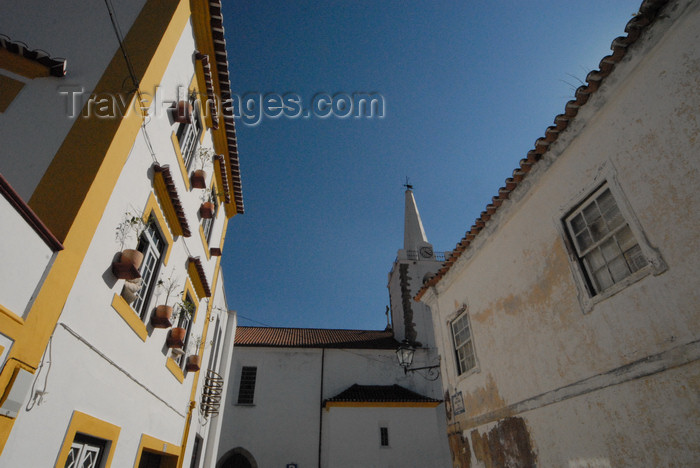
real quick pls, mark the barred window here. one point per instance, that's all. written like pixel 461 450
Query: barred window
pixel 384 436
pixel 246 390
pixel 604 243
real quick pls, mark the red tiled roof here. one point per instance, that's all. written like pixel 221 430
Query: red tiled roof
pixel 314 338
pixel 200 272
pixel 221 60
pixel 648 13
pixel 389 393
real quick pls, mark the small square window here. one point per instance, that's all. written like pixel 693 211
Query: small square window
pixel 604 244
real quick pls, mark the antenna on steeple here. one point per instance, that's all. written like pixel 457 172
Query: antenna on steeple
pixel 407 185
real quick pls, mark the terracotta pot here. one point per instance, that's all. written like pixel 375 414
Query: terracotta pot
pixel 176 338
pixel 182 112
pixel 206 210
pixel 199 179
pixel 161 317
pixel 193 363
pixel 128 265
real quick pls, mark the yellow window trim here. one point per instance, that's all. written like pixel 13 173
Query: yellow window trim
pixel 89 425
pixel 174 368
pixel 151 444
pixel 180 160
pixel 383 404
pixel 152 208
pixel 130 316
pixel 204 241
pixel 168 208
pixel 10 89
pixel 8 313
pixel 22 65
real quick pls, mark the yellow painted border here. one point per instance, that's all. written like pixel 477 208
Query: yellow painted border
pixel 204 241
pixel 196 280
pixel 383 404
pixel 152 444
pixel 174 368
pixel 10 89
pixel 180 160
pixel 130 316
pixel 168 208
pixel 88 425
pixel 152 208
pixel 7 312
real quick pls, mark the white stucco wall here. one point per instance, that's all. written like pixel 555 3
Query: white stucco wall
pixel 532 334
pixel 103 368
pixel 23 248
pixel 77 31
pixel 283 425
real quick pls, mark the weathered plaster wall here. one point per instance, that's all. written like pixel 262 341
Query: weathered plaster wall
pixel 596 375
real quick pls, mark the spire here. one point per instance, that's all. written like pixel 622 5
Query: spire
pixel 413 232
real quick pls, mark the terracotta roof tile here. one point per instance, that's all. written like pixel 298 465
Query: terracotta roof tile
pixel 648 13
pixel 388 393
pixel 314 338
pixel 174 197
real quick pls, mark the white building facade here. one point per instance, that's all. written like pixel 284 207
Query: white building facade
pixel 107 360
pixel 339 398
pixel 568 317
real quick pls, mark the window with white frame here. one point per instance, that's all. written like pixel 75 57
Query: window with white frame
pixel 604 243
pixel 152 245
pixel 246 390
pixel 464 347
pixel 85 452
pixel 188 133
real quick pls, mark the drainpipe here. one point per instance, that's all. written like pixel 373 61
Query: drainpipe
pixel 320 411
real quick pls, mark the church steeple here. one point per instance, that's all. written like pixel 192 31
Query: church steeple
pixel 413 232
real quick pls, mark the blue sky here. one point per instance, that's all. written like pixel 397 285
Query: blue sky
pixel 468 88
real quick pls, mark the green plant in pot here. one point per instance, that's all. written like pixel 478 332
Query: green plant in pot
pixel 163 313
pixel 177 336
pixel 204 158
pixel 194 360
pixel 129 262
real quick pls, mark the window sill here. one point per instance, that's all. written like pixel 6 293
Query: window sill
pixel 130 316
pixel 174 368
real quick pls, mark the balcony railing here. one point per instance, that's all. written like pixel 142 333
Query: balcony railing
pixel 211 394
pixel 439 256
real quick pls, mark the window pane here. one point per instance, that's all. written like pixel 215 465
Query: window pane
pixel 602 279
pixel 584 241
pixel 591 213
pixel 635 258
pixel 619 269
pixel 578 224
pixel 595 259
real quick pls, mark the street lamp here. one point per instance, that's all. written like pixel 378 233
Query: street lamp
pixel 405 356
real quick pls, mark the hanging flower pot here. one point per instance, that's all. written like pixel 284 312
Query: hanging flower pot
pixel 193 363
pixel 198 179
pixel 176 337
pixel 161 317
pixel 206 210
pixel 128 265
pixel 182 111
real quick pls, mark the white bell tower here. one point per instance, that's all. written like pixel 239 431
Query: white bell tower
pixel 415 262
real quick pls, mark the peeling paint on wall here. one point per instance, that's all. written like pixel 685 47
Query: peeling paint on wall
pixel 507 445
pixel 459 449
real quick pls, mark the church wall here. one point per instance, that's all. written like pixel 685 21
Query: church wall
pixel 580 380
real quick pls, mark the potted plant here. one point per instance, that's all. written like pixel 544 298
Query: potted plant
pixel 129 262
pixel 177 336
pixel 194 360
pixel 131 289
pixel 206 210
pixel 182 111
pixel 163 313
pixel 199 176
